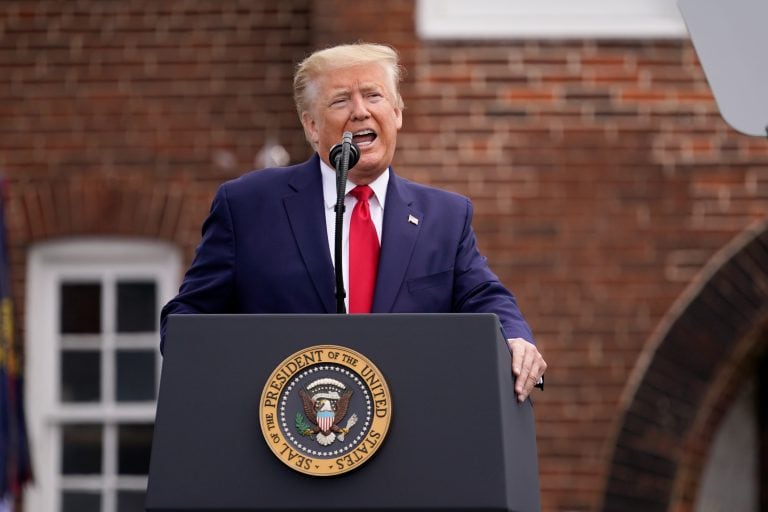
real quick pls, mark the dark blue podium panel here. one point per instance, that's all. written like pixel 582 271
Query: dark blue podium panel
pixel 458 439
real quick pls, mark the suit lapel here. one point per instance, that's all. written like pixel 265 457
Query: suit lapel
pixel 304 207
pixel 400 228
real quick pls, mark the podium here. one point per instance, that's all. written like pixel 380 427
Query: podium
pixel 458 439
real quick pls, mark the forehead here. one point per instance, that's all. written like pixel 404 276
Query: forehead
pixel 371 75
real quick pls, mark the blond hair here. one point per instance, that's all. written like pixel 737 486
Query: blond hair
pixel 344 56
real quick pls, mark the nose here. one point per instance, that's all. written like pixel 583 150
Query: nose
pixel 359 108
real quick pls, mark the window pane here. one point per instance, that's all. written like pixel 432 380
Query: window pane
pixel 136 306
pixel 135 375
pixel 80 376
pixel 81 448
pixel 80 501
pixel 130 501
pixel 134 445
pixel 80 308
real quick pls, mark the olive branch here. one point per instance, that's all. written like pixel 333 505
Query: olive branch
pixel 302 426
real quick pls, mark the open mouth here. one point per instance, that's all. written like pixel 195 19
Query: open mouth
pixel 364 137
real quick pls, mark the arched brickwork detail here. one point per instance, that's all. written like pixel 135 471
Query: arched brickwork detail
pixel 747 355
pixel 684 379
pixel 87 205
pixel 95 205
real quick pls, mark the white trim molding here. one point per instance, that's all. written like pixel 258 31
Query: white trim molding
pixel 549 19
pixel 104 261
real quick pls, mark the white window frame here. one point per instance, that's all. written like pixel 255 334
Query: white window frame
pixel 105 260
pixel 549 19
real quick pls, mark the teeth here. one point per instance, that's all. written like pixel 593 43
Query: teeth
pixel 364 133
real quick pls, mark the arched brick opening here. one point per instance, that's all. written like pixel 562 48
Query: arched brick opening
pixel 91 205
pixel 747 359
pixel 83 205
pixel 683 381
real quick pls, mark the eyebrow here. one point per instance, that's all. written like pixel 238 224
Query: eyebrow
pixel 372 87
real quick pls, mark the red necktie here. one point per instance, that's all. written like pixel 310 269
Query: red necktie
pixel 363 253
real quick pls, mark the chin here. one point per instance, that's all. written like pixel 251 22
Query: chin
pixel 363 176
pixel 369 170
pixel 371 163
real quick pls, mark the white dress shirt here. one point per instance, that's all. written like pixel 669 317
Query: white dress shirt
pixel 376 204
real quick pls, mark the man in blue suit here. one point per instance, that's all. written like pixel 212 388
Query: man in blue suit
pixel 267 245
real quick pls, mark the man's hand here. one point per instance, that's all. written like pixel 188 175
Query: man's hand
pixel 527 364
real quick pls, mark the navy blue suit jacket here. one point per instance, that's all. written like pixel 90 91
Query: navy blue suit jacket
pixel 264 249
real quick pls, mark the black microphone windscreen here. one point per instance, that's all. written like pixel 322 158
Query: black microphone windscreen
pixel 336 151
pixel 335 156
pixel 354 154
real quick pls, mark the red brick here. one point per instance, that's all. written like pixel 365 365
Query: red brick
pixel 602 176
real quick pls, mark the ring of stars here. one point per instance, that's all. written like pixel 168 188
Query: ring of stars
pixel 349 444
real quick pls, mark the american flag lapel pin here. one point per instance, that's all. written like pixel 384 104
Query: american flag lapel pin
pixel 413 220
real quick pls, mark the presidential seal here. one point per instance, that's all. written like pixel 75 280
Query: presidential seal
pixel 325 410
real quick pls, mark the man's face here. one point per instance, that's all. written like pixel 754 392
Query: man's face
pixel 357 99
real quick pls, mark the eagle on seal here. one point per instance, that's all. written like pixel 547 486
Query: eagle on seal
pixel 325 409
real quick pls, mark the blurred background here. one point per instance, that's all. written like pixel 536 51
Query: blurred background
pixel 629 219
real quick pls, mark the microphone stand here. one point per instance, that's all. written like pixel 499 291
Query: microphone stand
pixel 343 156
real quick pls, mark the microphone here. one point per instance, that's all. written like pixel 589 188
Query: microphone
pixel 343 156
pixel 337 152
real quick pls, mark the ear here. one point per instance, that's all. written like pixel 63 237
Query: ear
pixel 398 117
pixel 310 127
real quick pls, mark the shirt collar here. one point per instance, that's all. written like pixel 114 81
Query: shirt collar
pixel 379 186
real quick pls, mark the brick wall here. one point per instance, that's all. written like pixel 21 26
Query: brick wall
pixel 121 117
pixel 602 175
